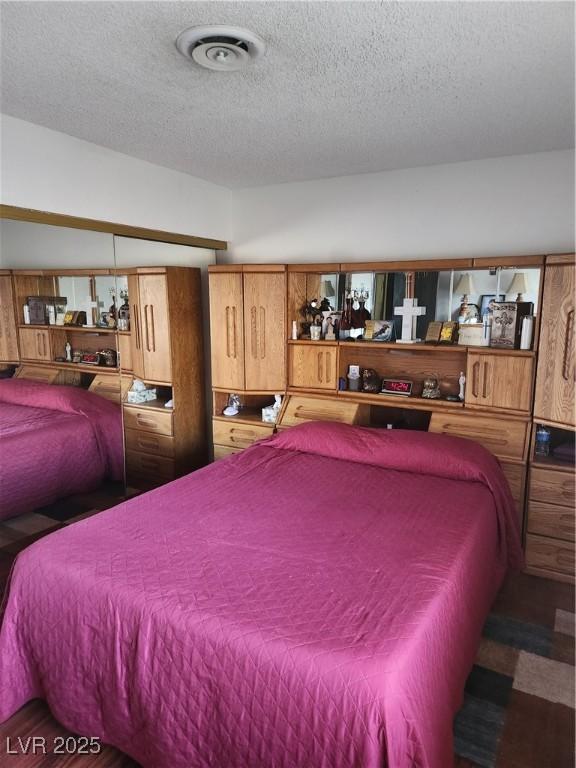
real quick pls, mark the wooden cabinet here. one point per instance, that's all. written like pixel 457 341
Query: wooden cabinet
pixel 299 409
pixel 313 365
pixel 247 330
pixel 499 381
pixel 150 310
pixel 555 390
pixel 8 335
pixel 35 344
pixel 227 330
pixel 264 328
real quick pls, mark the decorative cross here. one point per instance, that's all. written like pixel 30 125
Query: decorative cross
pixel 410 311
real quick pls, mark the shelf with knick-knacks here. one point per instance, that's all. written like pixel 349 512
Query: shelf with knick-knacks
pixel 73 321
pixel 472 331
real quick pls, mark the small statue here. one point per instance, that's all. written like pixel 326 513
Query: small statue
pixel 462 382
pixel 68 349
pixel 233 407
pixel 330 335
pixel 431 389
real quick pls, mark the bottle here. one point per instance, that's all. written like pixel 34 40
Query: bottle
pixel 542 445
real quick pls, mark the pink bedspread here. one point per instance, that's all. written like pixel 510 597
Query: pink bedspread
pixel 298 604
pixel 54 441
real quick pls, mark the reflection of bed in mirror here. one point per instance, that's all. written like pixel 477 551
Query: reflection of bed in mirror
pixel 55 441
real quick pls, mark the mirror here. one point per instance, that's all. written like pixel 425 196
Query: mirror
pixel 467 296
pixel 67 276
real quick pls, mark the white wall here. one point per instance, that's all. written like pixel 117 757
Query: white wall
pixel 512 205
pixel 51 171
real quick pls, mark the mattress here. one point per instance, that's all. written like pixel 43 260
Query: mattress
pixel 314 601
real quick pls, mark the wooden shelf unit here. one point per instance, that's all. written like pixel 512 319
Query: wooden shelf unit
pixel 499 395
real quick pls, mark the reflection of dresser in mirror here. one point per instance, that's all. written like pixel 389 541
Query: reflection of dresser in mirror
pixel 115 326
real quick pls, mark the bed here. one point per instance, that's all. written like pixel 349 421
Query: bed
pixel 54 441
pixel 313 601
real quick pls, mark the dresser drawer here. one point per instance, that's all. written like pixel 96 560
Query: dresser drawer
pixel 300 409
pixel 148 467
pixel 552 487
pixel 238 435
pixel 549 554
pixel 149 442
pixel 221 451
pixel 550 520
pixel 504 438
pixel 147 420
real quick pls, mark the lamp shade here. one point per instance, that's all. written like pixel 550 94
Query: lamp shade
pixel 465 285
pixel 328 289
pixel 518 284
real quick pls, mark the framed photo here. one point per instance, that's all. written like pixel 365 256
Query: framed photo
pixel 433 332
pixel 449 332
pixel 379 330
pixel 69 318
pixel 487 302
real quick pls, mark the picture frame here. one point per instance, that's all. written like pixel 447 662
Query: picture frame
pixel 487 301
pixel 449 332
pixel 379 330
pixel 433 332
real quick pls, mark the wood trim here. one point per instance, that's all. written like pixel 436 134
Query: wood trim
pixel 424 265
pixel 560 258
pixel 224 268
pixel 509 261
pixel 328 268
pixel 263 268
pixel 77 222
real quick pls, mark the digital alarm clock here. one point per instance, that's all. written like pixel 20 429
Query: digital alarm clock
pixel 396 387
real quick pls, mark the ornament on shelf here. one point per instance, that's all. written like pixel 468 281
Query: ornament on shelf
pixel 409 311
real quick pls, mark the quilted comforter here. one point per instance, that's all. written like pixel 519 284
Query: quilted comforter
pixel 54 441
pixel 313 601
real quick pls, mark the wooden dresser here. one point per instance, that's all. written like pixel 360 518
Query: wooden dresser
pixel 550 510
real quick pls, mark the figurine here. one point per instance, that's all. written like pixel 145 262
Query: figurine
pixel 431 390
pixel 68 349
pixel 462 382
pixel 233 407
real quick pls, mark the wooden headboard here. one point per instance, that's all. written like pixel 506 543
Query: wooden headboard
pixel 110 387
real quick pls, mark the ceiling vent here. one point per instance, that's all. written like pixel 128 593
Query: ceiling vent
pixel 220 47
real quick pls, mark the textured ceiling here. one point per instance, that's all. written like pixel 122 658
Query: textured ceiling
pixel 344 87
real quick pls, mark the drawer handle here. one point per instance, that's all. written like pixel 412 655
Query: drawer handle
pixel 137 338
pixel 253 342
pixel 262 330
pixel 567 346
pixel 475 369
pixel 320 356
pixel 228 352
pixel 153 329
pixel 484 378
pixel 148 443
pixel 146 328
pixel 146 421
pixel 327 367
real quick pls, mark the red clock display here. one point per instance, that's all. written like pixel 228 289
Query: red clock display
pixel 396 387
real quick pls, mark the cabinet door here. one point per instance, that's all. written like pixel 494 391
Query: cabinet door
pixel 155 327
pixel 499 381
pixel 8 337
pixel 35 344
pixel 313 367
pixel 136 343
pixel 227 330
pixel 265 331
pixel 555 391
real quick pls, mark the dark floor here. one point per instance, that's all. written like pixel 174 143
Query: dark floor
pixel 519 704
